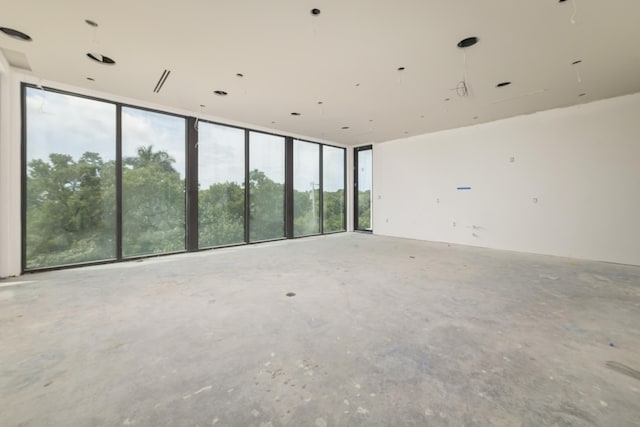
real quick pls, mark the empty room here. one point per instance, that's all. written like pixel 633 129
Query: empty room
pixel 320 213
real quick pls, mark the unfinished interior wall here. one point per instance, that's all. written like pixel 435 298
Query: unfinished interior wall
pixel 9 175
pixel 561 182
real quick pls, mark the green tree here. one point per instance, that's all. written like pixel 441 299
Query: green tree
pixel 70 210
pixel 364 210
pixel 221 215
pixel 153 204
pixel 266 207
pixel 333 204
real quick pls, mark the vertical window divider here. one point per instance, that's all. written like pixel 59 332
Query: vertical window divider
pixel 288 188
pixel 344 186
pixel 23 175
pixel 118 181
pixel 247 192
pixel 321 190
pixel 355 188
pixel 191 137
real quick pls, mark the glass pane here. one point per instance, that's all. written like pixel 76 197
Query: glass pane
pixel 306 188
pixel 221 182
pixel 266 186
pixel 153 191
pixel 364 189
pixel 333 188
pixel 71 198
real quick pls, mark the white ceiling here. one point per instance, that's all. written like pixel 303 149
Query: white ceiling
pixel 347 58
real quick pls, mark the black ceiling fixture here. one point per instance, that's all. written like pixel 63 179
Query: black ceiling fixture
pixel 161 81
pixel 239 75
pixel 345 127
pixel 503 84
pixel 576 62
pixel 91 23
pixel 295 114
pixel 468 42
pixel 101 58
pixel 315 12
pixel 582 94
pixel 561 1
pixel 401 68
pixel 320 102
pixel 220 93
pixel 16 34
pixel 202 105
pixel 91 79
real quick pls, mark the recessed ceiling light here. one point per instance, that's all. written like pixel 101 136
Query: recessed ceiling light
pixel 503 84
pixel 101 58
pixel 576 62
pixel 561 1
pixel 273 123
pixel 401 68
pixel 295 114
pixel 16 34
pixel 345 127
pixel 406 132
pixel 202 105
pixel 220 93
pixel 582 94
pixel 315 12
pixel 91 79
pixel 447 99
pixel 240 75
pixel 91 23
pixel 469 41
pixel 357 84
pixel 370 120
pixel 320 102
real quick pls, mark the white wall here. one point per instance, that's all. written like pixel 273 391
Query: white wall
pixel 9 173
pixel 581 164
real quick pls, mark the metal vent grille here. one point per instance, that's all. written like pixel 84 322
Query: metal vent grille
pixel 161 82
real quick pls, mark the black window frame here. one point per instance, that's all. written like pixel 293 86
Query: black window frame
pixel 191 181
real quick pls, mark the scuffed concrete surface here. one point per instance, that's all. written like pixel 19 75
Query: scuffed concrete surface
pixel 381 332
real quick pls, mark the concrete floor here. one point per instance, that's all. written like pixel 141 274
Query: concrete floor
pixel 380 332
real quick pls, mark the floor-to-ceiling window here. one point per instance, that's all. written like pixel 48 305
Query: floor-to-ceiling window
pixel 105 181
pixel 306 188
pixel 333 183
pixel 266 186
pixel 363 186
pixel 70 206
pixel 221 194
pixel 153 185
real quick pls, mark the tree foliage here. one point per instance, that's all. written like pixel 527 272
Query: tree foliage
pixel 364 210
pixel 153 204
pixel 71 209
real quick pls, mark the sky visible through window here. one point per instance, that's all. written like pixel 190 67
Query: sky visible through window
pixel 60 120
